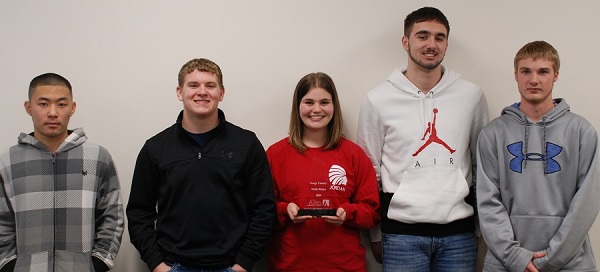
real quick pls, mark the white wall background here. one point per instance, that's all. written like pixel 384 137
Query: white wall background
pixel 122 58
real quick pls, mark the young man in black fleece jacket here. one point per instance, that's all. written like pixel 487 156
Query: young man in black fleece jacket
pixel 202 195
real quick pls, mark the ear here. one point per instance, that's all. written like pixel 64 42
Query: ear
pixel 74 108
pixel 179 93
pixel 556 76
pixel 222 94
pixel 405 43
pixel 27 106
pixel 516 77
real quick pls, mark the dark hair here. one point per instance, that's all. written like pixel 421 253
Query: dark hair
pixel 308 82
pixel 49 79
pixel 425 14
pixel 202 65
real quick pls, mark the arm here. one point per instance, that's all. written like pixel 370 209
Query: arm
pixel 363 209
pixel 261 207
pixel 494 219
pixel 480 120
pixel 370 138
pixel 582 210
pixel 109 217
pixel 141 209
pixel 8 240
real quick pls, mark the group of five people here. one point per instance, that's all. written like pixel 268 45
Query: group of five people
pixel 206 196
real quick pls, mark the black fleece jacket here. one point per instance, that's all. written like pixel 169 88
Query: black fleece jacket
pixel 213 204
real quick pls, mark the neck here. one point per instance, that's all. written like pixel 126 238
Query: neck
pixel 197 124
pixel 51 144
pixel 536 111
pixel 313 138
pixel 424 79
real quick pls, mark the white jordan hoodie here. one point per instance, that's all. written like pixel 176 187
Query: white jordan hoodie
pixel 423 146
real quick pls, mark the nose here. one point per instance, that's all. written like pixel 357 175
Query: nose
pixel 535 80
pixel 431 42
pixel 52 110
pixel 317 107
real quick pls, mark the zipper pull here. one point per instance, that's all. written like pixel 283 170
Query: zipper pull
pixel 199 155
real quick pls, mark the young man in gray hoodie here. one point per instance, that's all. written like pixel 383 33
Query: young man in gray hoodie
pixel 538 178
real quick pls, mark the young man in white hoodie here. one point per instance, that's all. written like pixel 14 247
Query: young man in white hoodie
pixel 419 129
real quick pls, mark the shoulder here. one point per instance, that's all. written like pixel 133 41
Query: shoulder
pixel 466 87
pixel 347 146
pixel 96 151
pixel 279 146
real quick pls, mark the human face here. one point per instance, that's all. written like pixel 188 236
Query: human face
pixel 535 79
pixel 426 46
pixel 200 94
pixel 316 109
pixel 51 108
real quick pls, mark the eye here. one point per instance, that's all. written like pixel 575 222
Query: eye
pixel 42 104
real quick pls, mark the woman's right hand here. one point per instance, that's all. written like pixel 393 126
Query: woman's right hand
pixel 292 210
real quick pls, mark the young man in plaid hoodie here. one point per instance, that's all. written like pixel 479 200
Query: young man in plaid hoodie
pixel 60 202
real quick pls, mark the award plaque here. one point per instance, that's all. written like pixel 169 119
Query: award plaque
pixel 318 203
pixel 317 212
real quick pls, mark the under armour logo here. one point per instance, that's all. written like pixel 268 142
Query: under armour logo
pixel 433 138
pixel 226 154
pixel 83 172
pixel 516 164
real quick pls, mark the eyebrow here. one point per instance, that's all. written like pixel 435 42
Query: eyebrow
pixel 48 99
pixel 429 33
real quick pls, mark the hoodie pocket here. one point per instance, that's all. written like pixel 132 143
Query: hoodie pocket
pixel 431 195
pixel 73 261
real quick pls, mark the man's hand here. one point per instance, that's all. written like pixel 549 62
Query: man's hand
pixel 162 267
pixel 377 250
pixel 238 268
pixel 530 267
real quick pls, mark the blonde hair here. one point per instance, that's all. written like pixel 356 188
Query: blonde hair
pixel 202 65
pixel 538 50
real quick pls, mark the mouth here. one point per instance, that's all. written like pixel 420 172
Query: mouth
pixel 430 54
pixel 52 124
pixel 534 90
pixel 316 117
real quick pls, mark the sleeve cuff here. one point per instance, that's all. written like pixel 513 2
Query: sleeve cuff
pixel 99 265
pixel 9 267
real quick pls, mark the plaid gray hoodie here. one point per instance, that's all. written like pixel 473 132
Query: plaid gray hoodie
pixel 57 211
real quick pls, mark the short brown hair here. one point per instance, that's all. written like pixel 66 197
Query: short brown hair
pixel 538 50
pixel 335 126
pixel 202 65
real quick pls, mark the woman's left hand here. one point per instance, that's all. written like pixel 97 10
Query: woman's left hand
pixel 337 220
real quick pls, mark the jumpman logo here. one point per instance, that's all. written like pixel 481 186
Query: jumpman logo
pixel 433 138
pixel 516 163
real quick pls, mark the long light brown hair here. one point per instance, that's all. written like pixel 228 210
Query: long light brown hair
pixel 335 126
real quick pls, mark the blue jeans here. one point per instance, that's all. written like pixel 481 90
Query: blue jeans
pixel 177 267
pixel 410 253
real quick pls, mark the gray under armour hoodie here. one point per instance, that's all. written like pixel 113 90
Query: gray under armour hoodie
pixel 537 190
